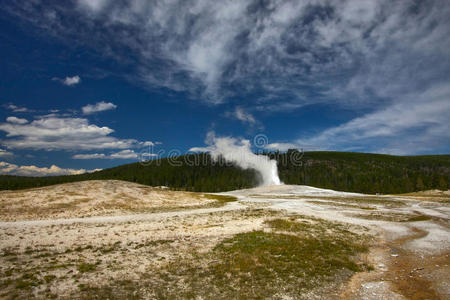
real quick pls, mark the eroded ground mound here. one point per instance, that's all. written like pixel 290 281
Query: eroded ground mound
pixel 96 198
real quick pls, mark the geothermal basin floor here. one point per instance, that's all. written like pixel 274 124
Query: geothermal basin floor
pixel 123 240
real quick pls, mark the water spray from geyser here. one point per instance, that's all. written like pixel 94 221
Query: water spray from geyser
pixel 238 151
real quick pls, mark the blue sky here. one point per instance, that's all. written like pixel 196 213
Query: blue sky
pixel 91 84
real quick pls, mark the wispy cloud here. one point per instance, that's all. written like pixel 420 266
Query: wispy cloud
pixel 414 125
pixel 282 146
pixel 4 153
pixel 330 50
pixel 15 108
pixel 277 55
pixel 240 114
pixel 31 170
pixel 69 81
pixel 90 156
pixel 124 154
pixel 98 107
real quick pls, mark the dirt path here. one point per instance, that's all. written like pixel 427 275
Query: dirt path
pixel 407 270
pixel 123 218
pixel 402 273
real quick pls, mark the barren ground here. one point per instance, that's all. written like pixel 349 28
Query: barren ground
pixel 120 240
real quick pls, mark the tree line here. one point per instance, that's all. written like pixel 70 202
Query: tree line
pixel 343 171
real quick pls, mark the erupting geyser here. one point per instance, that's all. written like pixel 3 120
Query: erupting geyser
pixel 274 173
pixel 239 152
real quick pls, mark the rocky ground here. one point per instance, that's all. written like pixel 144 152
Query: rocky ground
pixel 120 240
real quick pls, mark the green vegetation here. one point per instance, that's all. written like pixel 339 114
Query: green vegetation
pixel 26 281
pixel 330 203
pixel 365 172
pixel 221 199
pixel 393 217
pixel 285 258
pixel 153 243
pixel 344 171
pixel 49 278
pixel 351 200
pixel 122 289
pixel 418 218
pixel 86 267
pixel 292 259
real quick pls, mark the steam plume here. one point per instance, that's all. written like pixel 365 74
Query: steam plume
pixel 239 153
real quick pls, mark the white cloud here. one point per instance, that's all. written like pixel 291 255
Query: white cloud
pixel 15 108
pixel 90 156
pixel 12 169
pixel 240 114
pixel 69 81
pixel 94 5
pixel 99 106
pixel 124 154
pixel 282 146
pixel 222 49
pixel 357 54
pixel 416 124
pixel 16 120
pixel 4 153
pixel 59 133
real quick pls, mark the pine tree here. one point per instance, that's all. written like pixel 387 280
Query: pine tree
pixel 419 185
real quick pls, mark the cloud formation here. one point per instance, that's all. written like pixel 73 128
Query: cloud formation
pixel 97 107
pixel 4 153
pixel 124 154
pixel 279 47
pixel 15 108
pixel 68 81
pixel 62 133
pixel 240 114
pixel 419 125
pixel 16 120
pixel 375 56
pixel 90 156
pixel 281 146
pixel 13 169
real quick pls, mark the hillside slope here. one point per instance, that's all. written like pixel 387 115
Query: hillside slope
pixel 343 171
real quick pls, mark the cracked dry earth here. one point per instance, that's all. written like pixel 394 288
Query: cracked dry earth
pixel 120 240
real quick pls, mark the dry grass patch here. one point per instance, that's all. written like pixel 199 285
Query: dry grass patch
pixel 335 204
pixel 294 258
pixel 369 200
pixel 393 217
pixel 285 256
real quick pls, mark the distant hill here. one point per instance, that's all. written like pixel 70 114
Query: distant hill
pixel 368 173
pixel 343 171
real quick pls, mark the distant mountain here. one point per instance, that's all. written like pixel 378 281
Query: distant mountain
pixel 343 171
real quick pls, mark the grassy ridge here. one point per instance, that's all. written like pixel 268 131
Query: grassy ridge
pixel 344 171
